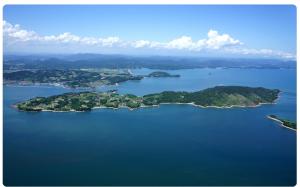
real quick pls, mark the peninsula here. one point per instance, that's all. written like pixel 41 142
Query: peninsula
pixel 220 96
pixel 284 122
pixel 75 78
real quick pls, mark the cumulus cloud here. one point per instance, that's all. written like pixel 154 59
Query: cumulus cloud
pixel 184 42
pixel 14 35
pixel 15 32
pixel 213 41
pixel 217 41
pixel 141 43
pixel 261 52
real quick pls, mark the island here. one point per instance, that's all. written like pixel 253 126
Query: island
pixel 219 97
pixel 161 74
pixel 284 122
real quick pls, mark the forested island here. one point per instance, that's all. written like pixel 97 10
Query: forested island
pixel 284 122
pixel 75 78
pixel 161 74
pixel 219 96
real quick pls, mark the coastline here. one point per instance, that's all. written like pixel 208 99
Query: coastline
pixel 49 85
pixel 220 107
pixel 150 106
pixel 280 122
pixel 142 105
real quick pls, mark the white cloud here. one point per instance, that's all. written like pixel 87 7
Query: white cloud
pixel 64 38
pixel 141 43
pixel 15 32
pixel 184 42
pixel 110 41
pixel 215 42
pixel 261 52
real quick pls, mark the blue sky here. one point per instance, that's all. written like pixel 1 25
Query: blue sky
pixel 266 31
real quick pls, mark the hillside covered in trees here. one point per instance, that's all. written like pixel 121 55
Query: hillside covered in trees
pixel 220 96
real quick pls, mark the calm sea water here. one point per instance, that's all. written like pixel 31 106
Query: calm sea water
pixel 167 145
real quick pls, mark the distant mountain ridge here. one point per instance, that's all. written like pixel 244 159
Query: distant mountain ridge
pixel 124 61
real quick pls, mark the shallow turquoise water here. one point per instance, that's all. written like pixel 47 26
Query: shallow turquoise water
pixel 167 145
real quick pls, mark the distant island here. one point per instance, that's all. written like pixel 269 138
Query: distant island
pixel 220 97
pixel 75 78
pixel 284 122
pixel 161 74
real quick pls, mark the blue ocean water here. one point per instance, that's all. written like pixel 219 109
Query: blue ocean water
pixel 166 145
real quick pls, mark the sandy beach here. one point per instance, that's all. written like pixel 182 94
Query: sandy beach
pixel 280 122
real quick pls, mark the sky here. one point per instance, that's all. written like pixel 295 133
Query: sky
pixel 267 31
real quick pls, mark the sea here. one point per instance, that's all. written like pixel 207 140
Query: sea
pixel 166 145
